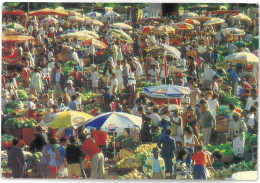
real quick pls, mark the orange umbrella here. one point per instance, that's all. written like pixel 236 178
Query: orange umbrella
pixel 182 25
pixel 96 43
pixel 191 21
pixel 148 29
pixel 48 11
pixel 16 38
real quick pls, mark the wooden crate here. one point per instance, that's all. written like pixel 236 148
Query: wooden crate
pixel 221 128
pixel 28 135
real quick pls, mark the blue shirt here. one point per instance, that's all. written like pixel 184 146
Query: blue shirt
pixel 62 153
pixel 234 76
pixel 156 165
pixel 45 151
pixel 53 161
pixel 164 128
pixel 80 54
pixel 72 105
pixel 168 146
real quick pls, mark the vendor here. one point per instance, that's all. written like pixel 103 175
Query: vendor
pixel 31 106
pixel 212 157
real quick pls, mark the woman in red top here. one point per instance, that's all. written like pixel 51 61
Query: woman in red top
pixel 200 158
pixel 101 139
pixel 96 156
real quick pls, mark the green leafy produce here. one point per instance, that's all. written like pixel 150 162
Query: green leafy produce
pixel 226 99
pixel 7 138
pixel 67 70
pixel 128 143
pixel 119 138
pixel 225 149
pixel 15 104
pixel 12 123
pixel 22 95
pixel 3 163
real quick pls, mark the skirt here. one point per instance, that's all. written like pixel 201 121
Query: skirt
pixel 43 169
pixel 63 171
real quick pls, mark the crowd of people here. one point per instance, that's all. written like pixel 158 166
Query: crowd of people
pixel 185 132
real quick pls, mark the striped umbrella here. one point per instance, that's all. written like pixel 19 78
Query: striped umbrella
pixel 214 21
pixel 93 22
pixel 164 28
pixel 49 20
pixel 167 91
pixel 96 43
pixel 114 122
pixel 191 21
pixel 182 26
pixel 233 31
pixel 48 11
pixel 15 26
pixel 94 14
pixel 121 35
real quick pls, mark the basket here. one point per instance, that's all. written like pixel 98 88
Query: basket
pixel 221 128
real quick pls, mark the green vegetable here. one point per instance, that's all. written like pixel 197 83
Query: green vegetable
pixel 7 138
pixel 128 143
pixel 22 95
pixel 12 123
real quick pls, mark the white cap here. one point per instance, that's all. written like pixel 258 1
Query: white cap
pixel 69 82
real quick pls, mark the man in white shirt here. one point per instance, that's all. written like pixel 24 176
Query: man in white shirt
pixel 41 30
pixel 208 79
pixel 154 116
pixel 153 74
pixel 138 103
pixel 113 84
pixel 52 31
pixel 202 48
pixel 114 49
pixel 30 29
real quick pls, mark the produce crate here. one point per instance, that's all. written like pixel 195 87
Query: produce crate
pixel 15 132
pixel 28 135
pixel 221 128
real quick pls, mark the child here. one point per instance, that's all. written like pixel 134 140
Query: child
pixel 200 160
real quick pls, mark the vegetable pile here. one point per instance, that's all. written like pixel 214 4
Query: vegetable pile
pixel 225 149
pixel 226 99
pixel 12 123
pixel 22 95
pixel 234 168
pixel 15 104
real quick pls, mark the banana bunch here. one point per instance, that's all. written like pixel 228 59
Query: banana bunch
pixel 145 148
pixel 130 163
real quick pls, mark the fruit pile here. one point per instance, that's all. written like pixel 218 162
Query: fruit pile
pixel 32 160
pixel 129 163
pixel 145 148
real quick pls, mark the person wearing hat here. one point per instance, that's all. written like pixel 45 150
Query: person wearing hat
pixel 69 89
pixel 154 166
pixel 236 132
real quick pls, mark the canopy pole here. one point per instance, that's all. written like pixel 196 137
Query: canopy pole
pixel 114 146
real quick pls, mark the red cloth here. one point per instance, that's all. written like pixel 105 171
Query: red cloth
pixel 90 148
pixel 100 137
pixel 246 85
pixel 200 158
pixel 77 75
pixel 176 101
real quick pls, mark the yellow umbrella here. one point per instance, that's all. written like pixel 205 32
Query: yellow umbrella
pixel 75 19
pixel 122 35
pixel 214 21
pixel 66 119
pixel 122 25
pixel 242 17
pixel 94 22
pixel 91 33
pixel 245 57
pixel 79 35
pixel 164 28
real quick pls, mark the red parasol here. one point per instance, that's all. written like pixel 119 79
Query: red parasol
pixel 14 12
pixel 97 44
pixel 48 11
